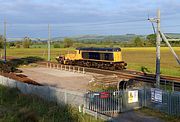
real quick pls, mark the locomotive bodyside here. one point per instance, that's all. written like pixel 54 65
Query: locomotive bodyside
pixel 104 58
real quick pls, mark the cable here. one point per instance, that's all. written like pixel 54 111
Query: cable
pixel 171 26
pixel 88 24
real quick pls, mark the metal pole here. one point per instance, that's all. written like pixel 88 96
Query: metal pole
pixel 5 40
pixel 49 43
pixel 158 42
pixel 171 49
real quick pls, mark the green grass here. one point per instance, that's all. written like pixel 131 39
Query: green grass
pixel 146 56
pixel 135 57
pixel 18 107
pixel 158 114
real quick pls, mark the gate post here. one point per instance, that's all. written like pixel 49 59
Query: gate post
pixel 144 97
pixel 121 103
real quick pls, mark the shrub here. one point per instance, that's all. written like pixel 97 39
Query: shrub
pixel 56 45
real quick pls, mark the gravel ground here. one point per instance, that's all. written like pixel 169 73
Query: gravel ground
pixel 57 78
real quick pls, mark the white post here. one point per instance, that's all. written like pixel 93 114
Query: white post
pixel 61 67
pixel 73 69
pixel 83 71
pixel 69 68
pixel 78 69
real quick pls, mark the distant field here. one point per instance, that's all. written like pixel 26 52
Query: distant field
pixel 135 57
pixel 146 56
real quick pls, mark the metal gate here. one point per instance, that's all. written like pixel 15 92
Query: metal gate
pixel 113 101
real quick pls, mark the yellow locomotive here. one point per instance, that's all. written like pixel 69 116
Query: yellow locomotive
pixel 102 58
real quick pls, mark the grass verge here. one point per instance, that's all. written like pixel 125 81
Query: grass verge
pixel 18 107
pixel 158 114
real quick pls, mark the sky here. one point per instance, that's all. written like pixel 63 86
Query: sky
pixel 80 17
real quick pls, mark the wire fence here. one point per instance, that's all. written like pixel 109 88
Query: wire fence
pixel 167 102
pixel 109 102
pixel 61 96
pixel 113 101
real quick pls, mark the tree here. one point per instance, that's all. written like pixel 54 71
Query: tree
pixel 18 46
pixel 151 39
pixel 26 42
pixel 56 45
pixel 68 42
pixel 12 44
pixel 1 42
pixel 138 42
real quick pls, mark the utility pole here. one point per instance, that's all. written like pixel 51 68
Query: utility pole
pixel 49 44
pixel 5 40
pixel 160 36
pixel 158 43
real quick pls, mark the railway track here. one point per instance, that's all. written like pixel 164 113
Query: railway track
pixel 132 75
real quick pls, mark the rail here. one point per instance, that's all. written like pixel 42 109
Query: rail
pixel 127 74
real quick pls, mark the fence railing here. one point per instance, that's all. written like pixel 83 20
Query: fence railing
pixel 111 102
pixel 105 102
pixel 61 96
pixel 66 67
pixel 167 102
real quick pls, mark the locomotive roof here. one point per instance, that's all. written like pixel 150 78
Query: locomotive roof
pixel 98 49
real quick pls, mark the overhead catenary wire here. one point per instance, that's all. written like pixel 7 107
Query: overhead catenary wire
pixel 135 24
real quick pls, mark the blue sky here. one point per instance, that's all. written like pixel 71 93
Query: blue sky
pixel 78 17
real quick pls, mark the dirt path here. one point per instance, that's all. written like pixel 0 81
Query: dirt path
pixel 133 116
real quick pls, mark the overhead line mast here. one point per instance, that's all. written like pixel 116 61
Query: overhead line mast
pixel 49 43
pixel 5 41
pixel 159 37
pixel 158 44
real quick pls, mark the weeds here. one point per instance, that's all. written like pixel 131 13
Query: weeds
pixel 18 107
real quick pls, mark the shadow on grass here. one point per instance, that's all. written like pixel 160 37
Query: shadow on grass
pixel 11 65
pixel 25 61
pixel 31 108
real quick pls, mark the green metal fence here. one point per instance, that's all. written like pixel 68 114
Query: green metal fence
pixel 110 102
pixel 169 104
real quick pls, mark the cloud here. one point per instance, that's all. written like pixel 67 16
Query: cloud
pixel 65 10
pixel 83 11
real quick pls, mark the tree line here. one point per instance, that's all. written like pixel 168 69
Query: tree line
pixel 149 41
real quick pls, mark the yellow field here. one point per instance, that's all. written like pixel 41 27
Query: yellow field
pixel 135 57
pixel 146 56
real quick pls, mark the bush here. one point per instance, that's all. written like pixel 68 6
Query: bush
pixel 68 42
pixel 26 42
pixel 1 42
pixel 56 45
pixel 12 44
pixel 18 46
